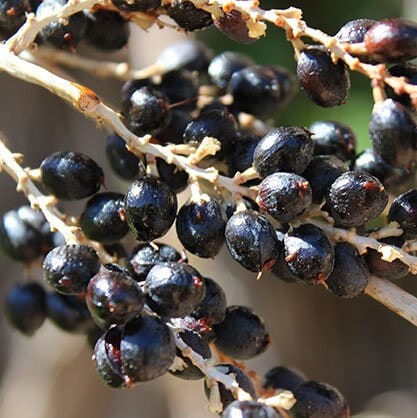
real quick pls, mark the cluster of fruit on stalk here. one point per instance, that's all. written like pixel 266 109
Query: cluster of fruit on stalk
pixel 131 308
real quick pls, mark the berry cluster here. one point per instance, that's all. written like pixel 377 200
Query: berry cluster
pixel 295 201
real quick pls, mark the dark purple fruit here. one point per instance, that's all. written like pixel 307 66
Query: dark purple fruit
pixel 250 409
pixel 187 16
pixel 404 211
pixel 327 84
pixel 150 207
pixel 69 268
pixel 282 377
pixel 233 25
pixel 136 5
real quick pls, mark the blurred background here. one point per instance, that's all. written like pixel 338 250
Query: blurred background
pixel 358 346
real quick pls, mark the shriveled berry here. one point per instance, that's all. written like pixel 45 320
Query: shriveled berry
pixel 242 379
pixel 327 84
pixel 69 268
pixel 284 196
pixel 200 226
pixel 350 274
pixel 242 335
pixel 333 138
pixel 393 132
pixel 318 400
pixel 404 211
pixel 355 198
pixel 392 40
pixel 25 307
pixel 174 289
pixel 113 298
pixel 287 148
pixel 187 16
pixel 68 313
pixel 251 240
pixel 198 345
pixel 150 208
pixel 147 348
pixel 249 409
pixel 147 111
pixel 233 25
pixel 212 308
pixel 224 65
pixel 391 270
pixel 322 171
pixel 282 377
pixel 71 176
pixel 309 254
pixel 101 220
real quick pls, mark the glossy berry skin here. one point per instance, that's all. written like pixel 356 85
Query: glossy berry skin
pixel 249 409
pixel 217 123
pixel 393 270
pixel 71 176
pixel 392 40
pixel 113 298
pixel 101 220
pixel 124 163
pixel 404 211
pixel 350 274
pixel 317 400
pixel 284 196
pixel 393 178
pixel 287 148
pixel 244 382
pixel 57 34
pixel 106 30
pixel 242 335
pixel 25 307
pixel 200 227
pixel 333 138
pixel 309 254
pixel 130 86
pixel 19 239
pixel 136 5
pixel 393 132
pixel 282 377
pixel 355 198
pixel 146 112
pixel 107 359
pixel 185 54
pixel 147 348
pixel 68 313
pixel 251 240
pixel 321 172
pixel 198 345
pixel 212 308
pixel 280 269
pixel 233 25
pixel 187 16
pixel 354 31
pixel 69 268
pixel 145 256
pixel 224 65
pixel 13 13
pixel 150 207
pixel 174 289
pixel 255 90
pixel 325 83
